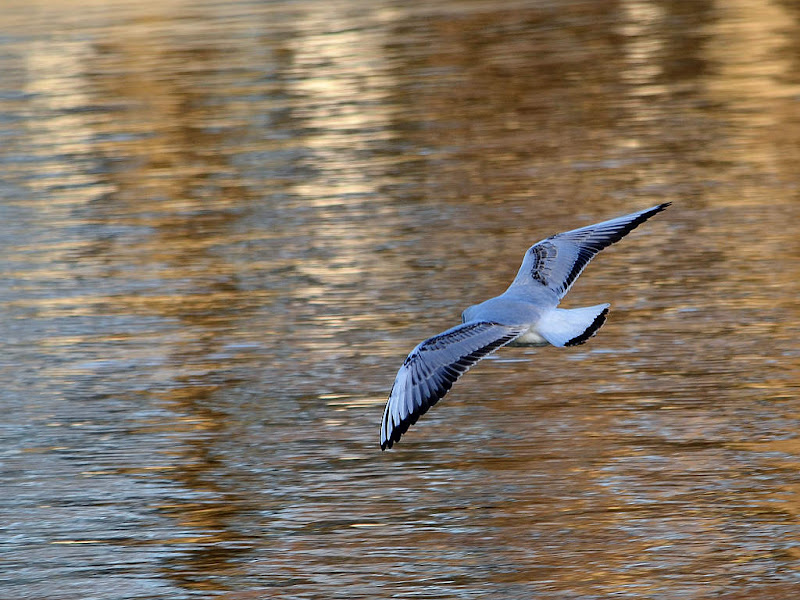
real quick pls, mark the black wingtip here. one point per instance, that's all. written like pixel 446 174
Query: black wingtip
pixel 644 216
pixel 634 223
pixel 659 208
pixel 387 444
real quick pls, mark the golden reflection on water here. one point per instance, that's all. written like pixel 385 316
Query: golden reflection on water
pixel 227 224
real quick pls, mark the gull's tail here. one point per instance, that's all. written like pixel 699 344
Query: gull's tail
pixel 570 327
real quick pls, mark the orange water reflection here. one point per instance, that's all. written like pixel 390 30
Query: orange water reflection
pixel 227 224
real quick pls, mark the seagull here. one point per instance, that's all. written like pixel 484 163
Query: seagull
pixel 526 314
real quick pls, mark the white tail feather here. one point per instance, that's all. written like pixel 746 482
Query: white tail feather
pixel 570 327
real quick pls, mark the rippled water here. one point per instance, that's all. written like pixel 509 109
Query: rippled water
pixel 225 225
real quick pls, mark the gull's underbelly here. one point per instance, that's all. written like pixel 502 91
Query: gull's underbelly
pixel 530 338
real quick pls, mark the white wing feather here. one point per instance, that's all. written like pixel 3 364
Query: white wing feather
pixel 557 261
pixel 433 366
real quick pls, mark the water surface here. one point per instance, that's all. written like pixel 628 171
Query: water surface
pixel 225 225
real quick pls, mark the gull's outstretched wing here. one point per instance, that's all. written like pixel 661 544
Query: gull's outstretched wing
pixel 431 369
pixel 557 261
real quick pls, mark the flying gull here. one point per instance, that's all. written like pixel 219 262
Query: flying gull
pixel 526 314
